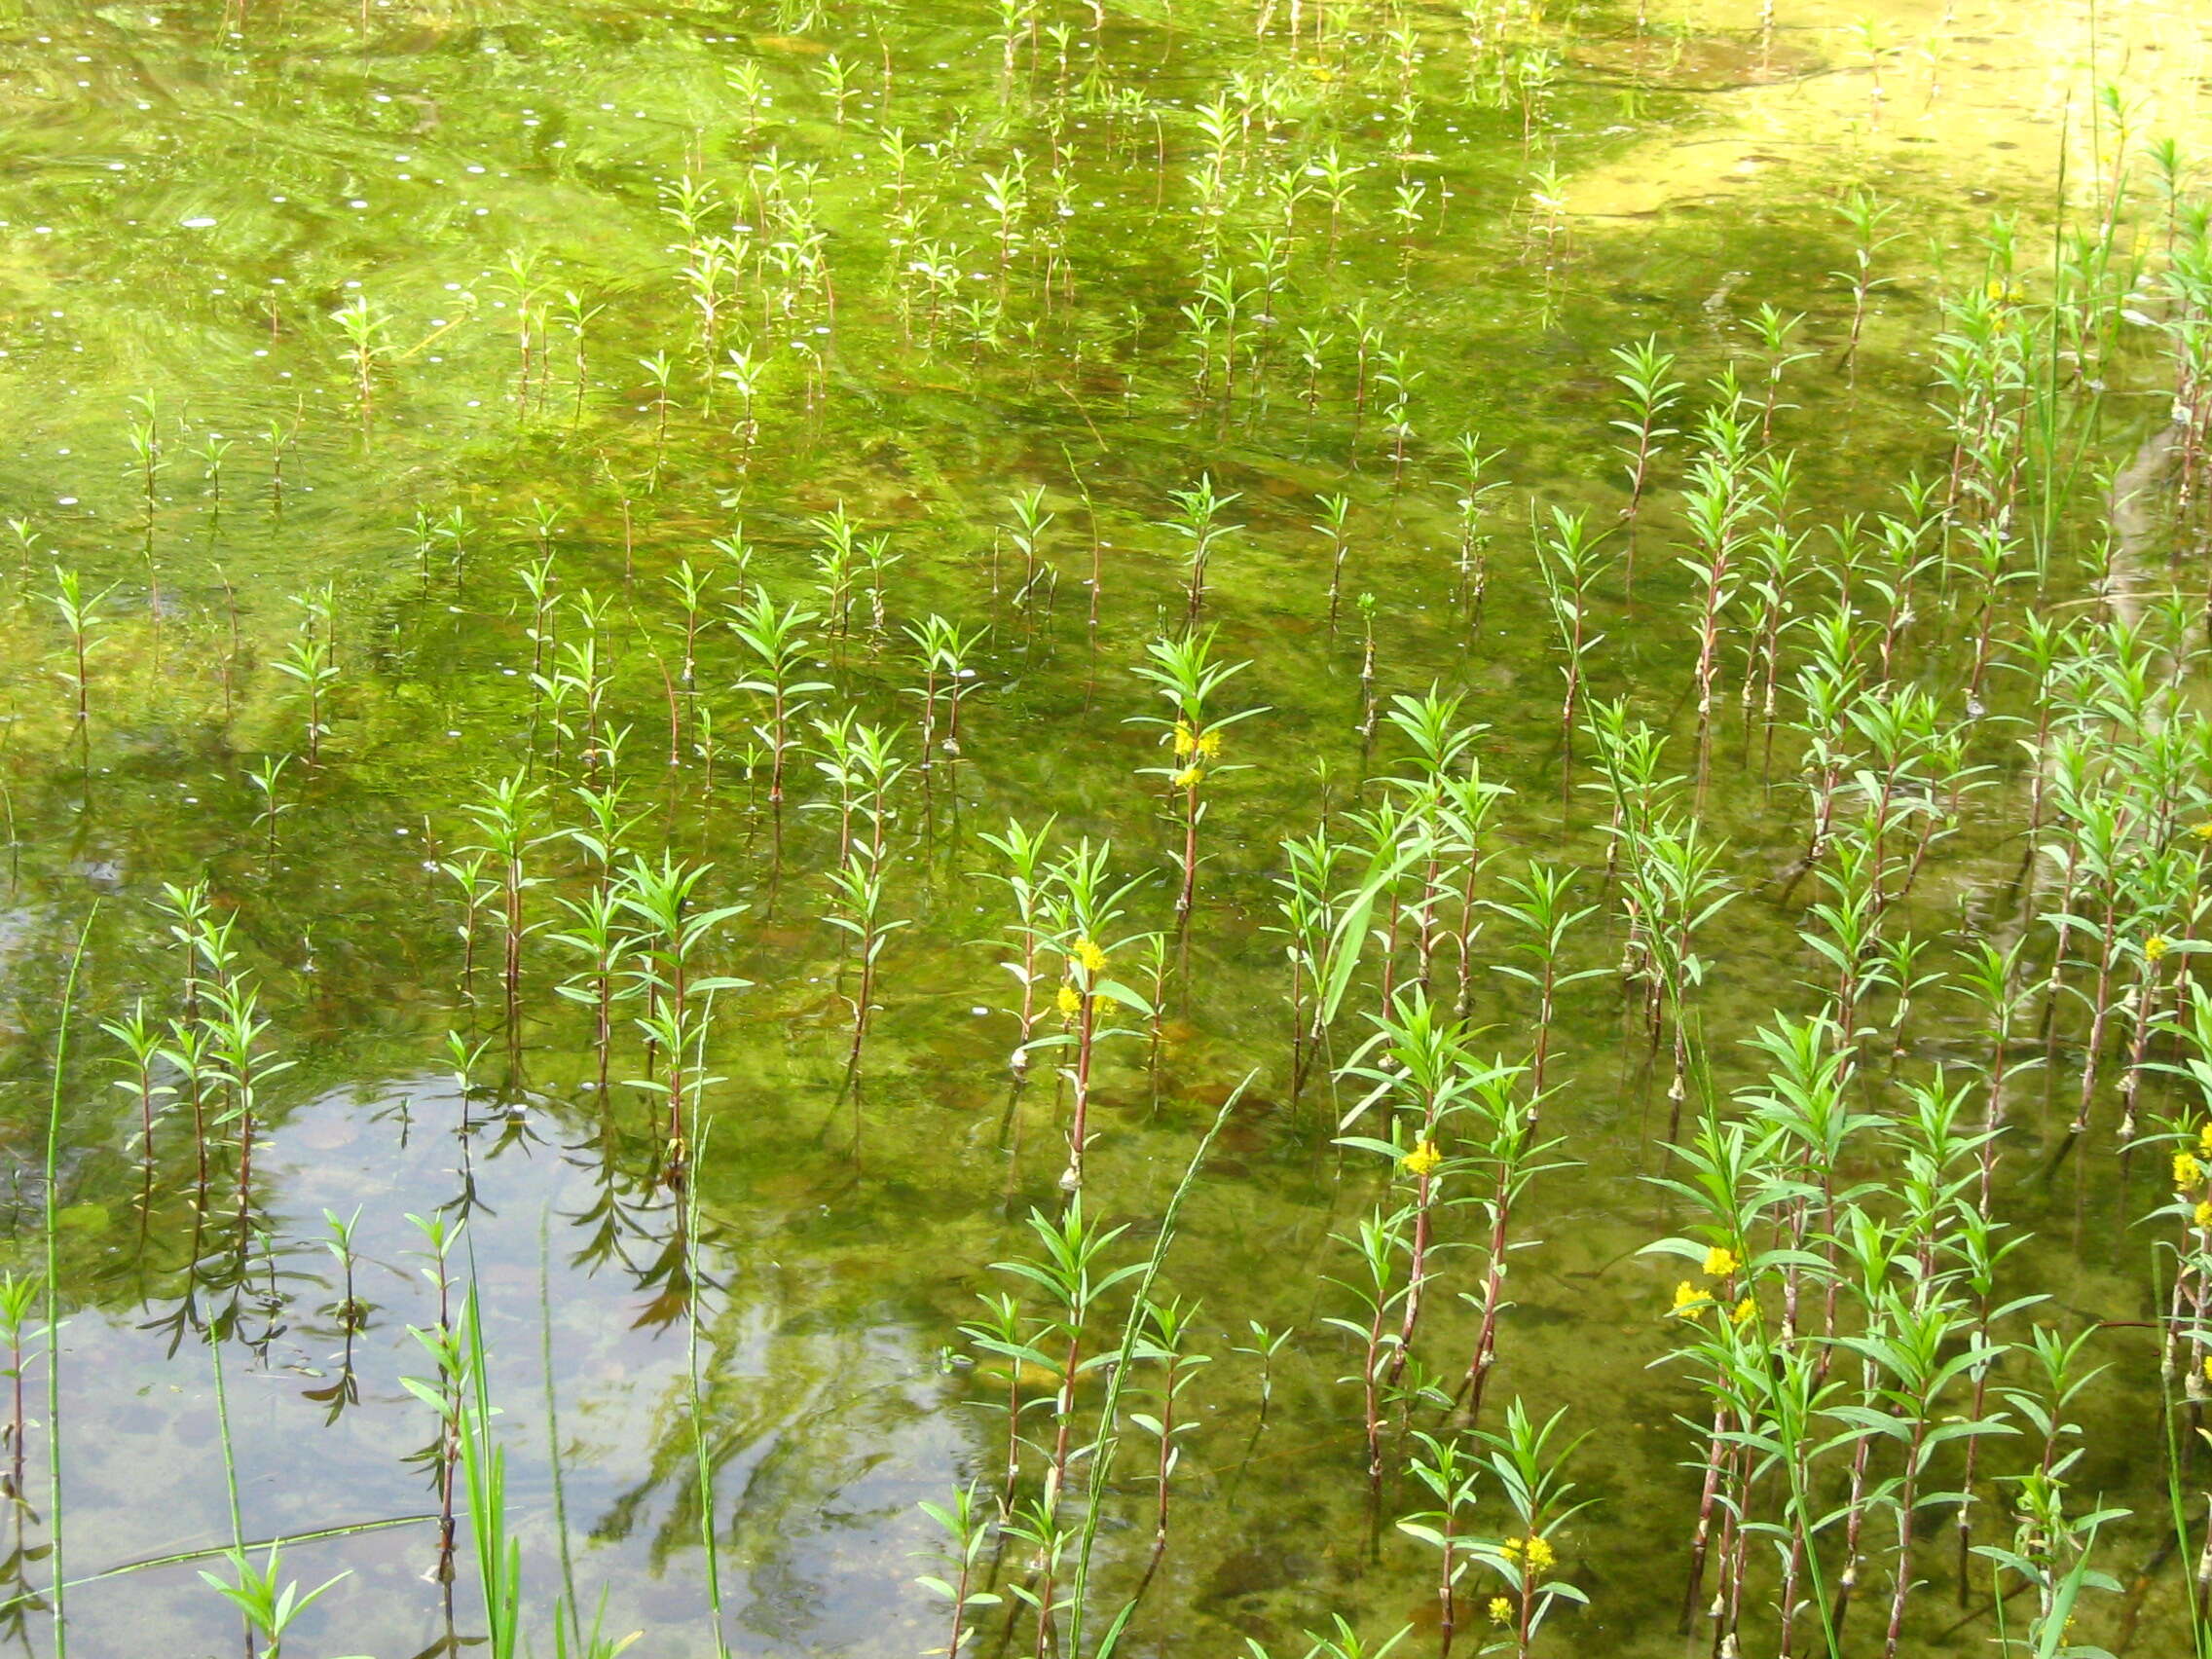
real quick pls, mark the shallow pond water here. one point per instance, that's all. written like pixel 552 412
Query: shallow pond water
pixel 388 371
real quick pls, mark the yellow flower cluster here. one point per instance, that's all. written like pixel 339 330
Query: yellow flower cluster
pixel 1501 1610
pixel 1720 1263
pixel 1188 776
pixel 1088 956
pixel 1533 1553
pixel 1069 1000
pixel 2188 1171
pixel 1423 1160
pixel 2155 947
pixel 1191 743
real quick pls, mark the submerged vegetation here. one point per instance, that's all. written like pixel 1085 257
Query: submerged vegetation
pixel 1055 829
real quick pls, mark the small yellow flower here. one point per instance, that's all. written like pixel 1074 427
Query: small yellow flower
pixel 2208 1368
pixel 1088 956
pixel 1501 1610
pixel 2204 1141
pixel 1209 746
pixel 1186 740
pixel 2156 947
pixel 1689 1301
pixel 1070 1001
pixel 1534 1552
pixel 1719 1262
pixel 2204 1212
pixel 1744 1310
pixel 1188 776
pixel 1423 1160
pixel 2188 1171
pixel 2202 831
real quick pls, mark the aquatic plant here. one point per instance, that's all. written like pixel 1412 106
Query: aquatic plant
pixel 1849 881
